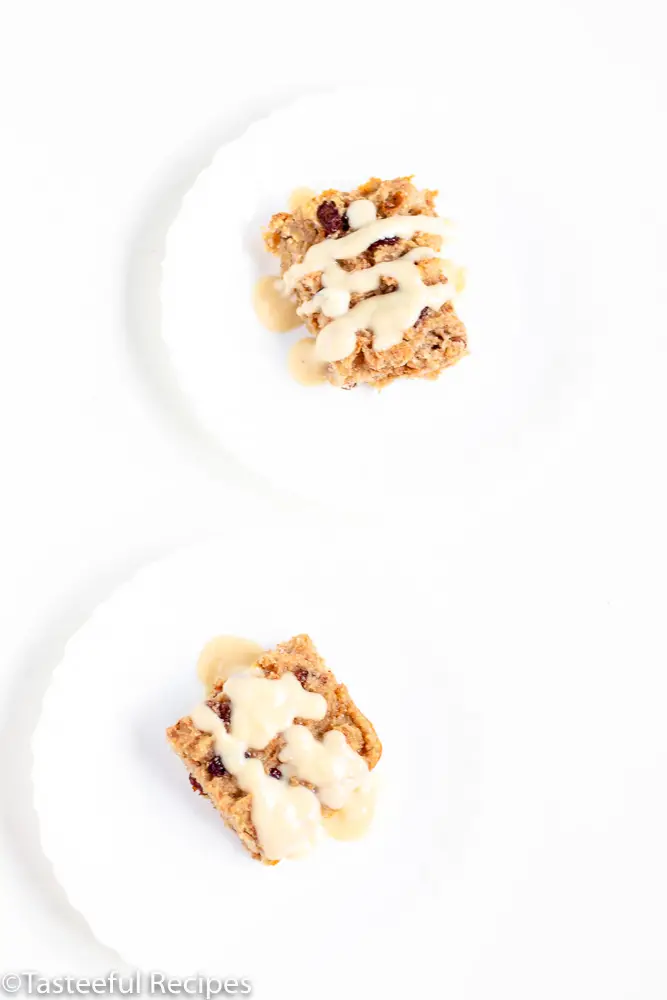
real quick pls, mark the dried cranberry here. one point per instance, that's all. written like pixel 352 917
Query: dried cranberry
pixel 301 675
pixel 387 241
pixel 216 768
pixel 223 710
pixel 196 787
pixel 247 754
pixel 275 772
pixel 329 217
pixel 425 311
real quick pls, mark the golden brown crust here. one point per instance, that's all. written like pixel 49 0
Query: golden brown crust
pixel 196 749
pixel 438 339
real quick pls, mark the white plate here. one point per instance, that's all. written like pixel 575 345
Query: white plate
pixel 527 232
pixel 150 864
pixel 521 818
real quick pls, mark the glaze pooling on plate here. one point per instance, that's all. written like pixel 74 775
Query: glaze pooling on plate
pixel 275 309
pixel 304 365
pixel 223 656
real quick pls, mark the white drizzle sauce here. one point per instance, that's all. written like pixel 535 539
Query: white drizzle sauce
pixel 330 763
pixel 360 213
pixel 262 708
pixel 288 818
pixel 387 316
pixel 321 254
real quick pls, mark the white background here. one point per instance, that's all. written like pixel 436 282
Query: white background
pixel 108 110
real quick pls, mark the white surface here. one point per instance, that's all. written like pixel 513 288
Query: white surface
pixel 108 112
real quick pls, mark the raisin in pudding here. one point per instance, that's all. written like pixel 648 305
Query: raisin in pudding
pixel 280 749
pixel 365 271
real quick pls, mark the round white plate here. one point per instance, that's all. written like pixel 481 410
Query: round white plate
pixel 151 865
pixel 528 231
pixel 519 691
